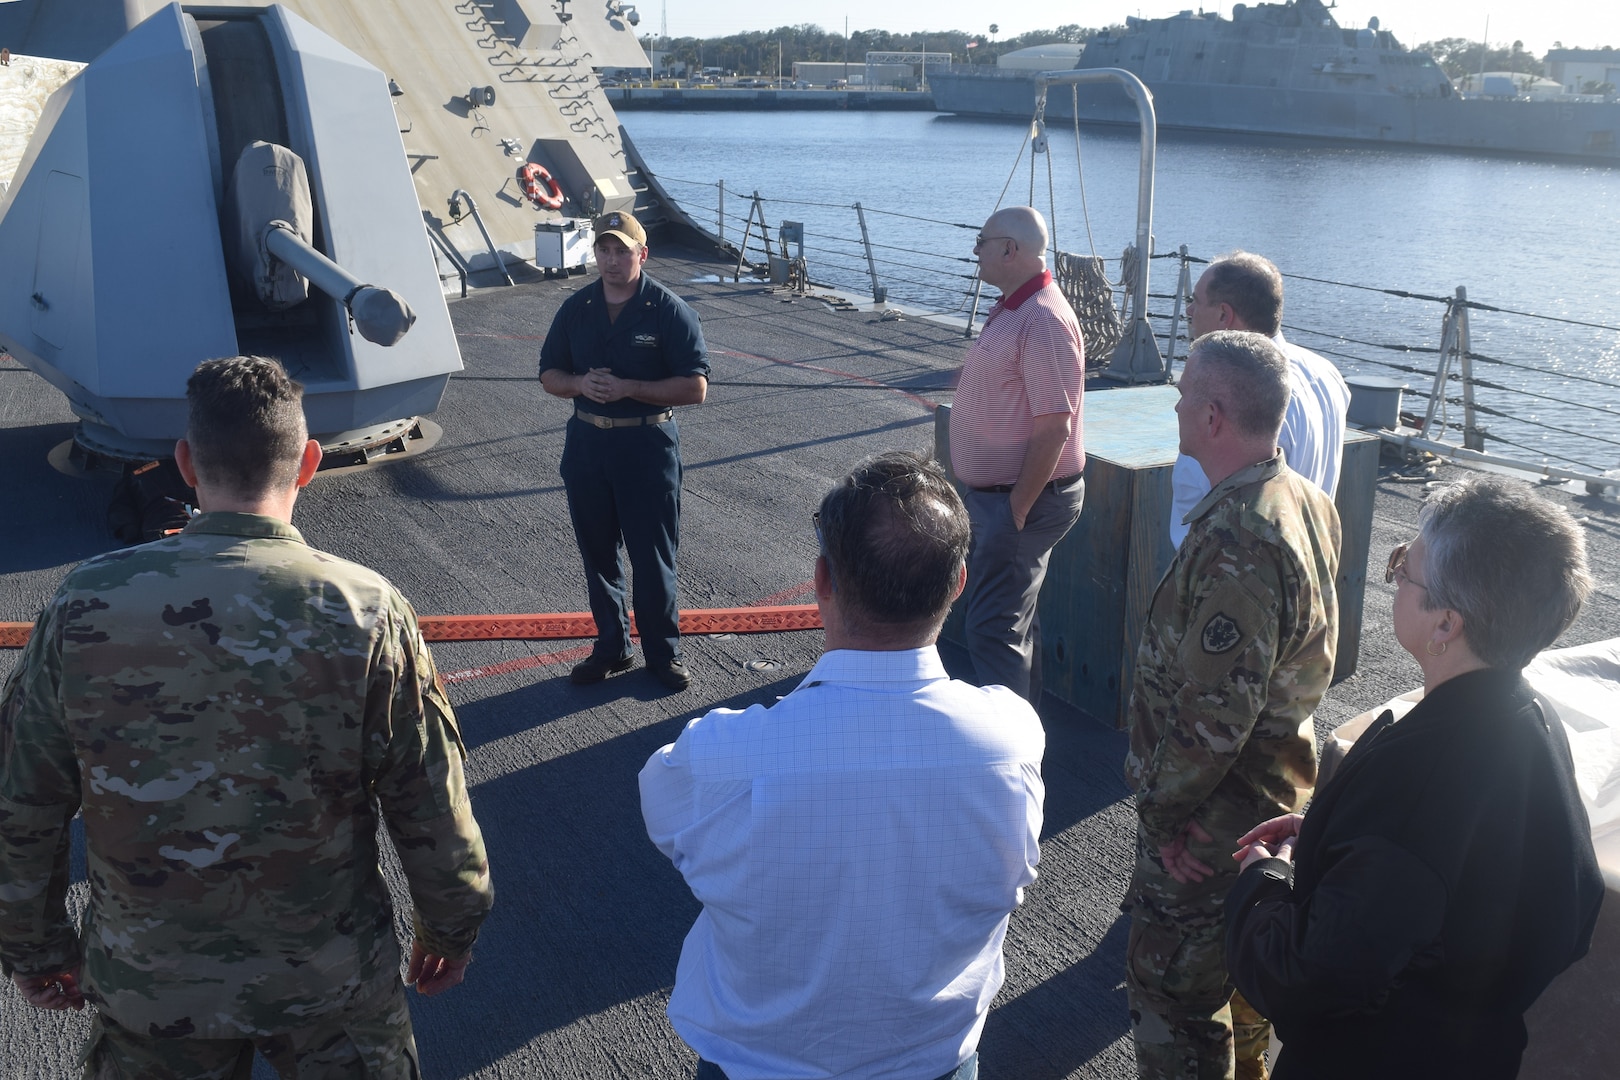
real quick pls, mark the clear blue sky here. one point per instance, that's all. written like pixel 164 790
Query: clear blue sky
pixel 1538 23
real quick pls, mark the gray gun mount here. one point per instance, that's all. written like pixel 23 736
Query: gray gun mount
pixel 123 224
pixel 269 201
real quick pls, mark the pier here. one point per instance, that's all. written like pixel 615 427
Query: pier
pixel 753 99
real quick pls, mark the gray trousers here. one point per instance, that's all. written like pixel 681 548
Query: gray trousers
pixel 1006 566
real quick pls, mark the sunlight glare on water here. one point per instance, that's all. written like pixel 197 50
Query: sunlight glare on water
pixel 1534 237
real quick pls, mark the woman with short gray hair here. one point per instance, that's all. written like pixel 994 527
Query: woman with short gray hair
pixel 1445 874
pixel 1510 563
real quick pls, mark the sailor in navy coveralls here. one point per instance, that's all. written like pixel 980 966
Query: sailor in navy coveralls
pixel 627 351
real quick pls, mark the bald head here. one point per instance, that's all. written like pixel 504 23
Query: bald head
pixel 1024 224
pixel 1011 247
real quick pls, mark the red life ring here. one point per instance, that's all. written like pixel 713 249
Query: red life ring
pixel 531 176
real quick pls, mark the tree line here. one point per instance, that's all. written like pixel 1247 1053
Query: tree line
pixel 1459 57
pixel 755 52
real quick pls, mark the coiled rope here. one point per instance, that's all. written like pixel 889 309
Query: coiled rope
pixel 1086 286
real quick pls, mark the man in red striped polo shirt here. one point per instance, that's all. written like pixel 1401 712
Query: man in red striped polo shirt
pixel 1016 446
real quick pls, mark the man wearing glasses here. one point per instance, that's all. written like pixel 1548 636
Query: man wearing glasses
pixel 859 845
pixel 1243 291
pixel 1016 446
pixel 1235 654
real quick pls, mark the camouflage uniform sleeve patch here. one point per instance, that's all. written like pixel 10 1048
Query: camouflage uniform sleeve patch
pixel 1227 622
pixel 1217 688
pixel 1221 633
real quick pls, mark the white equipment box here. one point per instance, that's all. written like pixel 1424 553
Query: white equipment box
pixel 563 245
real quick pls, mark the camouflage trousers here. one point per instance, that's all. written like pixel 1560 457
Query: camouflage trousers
pixel 1186 1019
pixel 371 1040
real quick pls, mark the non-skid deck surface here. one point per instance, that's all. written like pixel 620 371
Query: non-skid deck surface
pixel 575 965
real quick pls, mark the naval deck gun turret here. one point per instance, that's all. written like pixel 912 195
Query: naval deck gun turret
pixel 174 203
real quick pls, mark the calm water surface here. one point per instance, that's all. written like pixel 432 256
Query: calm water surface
pixel 1533 237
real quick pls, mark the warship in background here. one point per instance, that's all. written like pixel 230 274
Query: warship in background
pixel 1289 70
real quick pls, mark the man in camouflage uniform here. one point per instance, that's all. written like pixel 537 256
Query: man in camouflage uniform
pixel 231 709
pixel 1236 652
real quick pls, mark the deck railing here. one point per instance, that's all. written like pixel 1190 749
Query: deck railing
pixel 1533 390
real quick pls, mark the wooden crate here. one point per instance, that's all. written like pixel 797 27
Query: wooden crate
pixel 1358 479
pixel 1102 575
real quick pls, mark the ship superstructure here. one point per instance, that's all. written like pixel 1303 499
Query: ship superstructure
pixel 1292 47
pixel 1291 70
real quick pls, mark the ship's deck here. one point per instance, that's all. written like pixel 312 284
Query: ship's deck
pixel 575 964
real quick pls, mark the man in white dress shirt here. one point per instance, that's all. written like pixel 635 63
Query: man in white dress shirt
pixel 859 845
pixel 1243 291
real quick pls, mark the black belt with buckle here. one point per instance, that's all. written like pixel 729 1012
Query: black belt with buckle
pixel 605 422
pixel 1051 485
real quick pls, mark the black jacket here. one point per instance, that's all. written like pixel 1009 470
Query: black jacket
pixel 1442 879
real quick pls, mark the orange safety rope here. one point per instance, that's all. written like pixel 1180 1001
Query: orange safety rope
pixel 576 624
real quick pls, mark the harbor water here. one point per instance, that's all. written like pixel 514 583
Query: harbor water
pixel 1529 237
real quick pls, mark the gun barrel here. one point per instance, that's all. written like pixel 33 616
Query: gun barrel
pixel 381 315
pixel 322 272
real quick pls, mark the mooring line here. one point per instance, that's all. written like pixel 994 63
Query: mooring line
pixel 770 616
pixel 763 619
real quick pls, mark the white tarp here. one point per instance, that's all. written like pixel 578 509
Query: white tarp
pixel 1583 683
